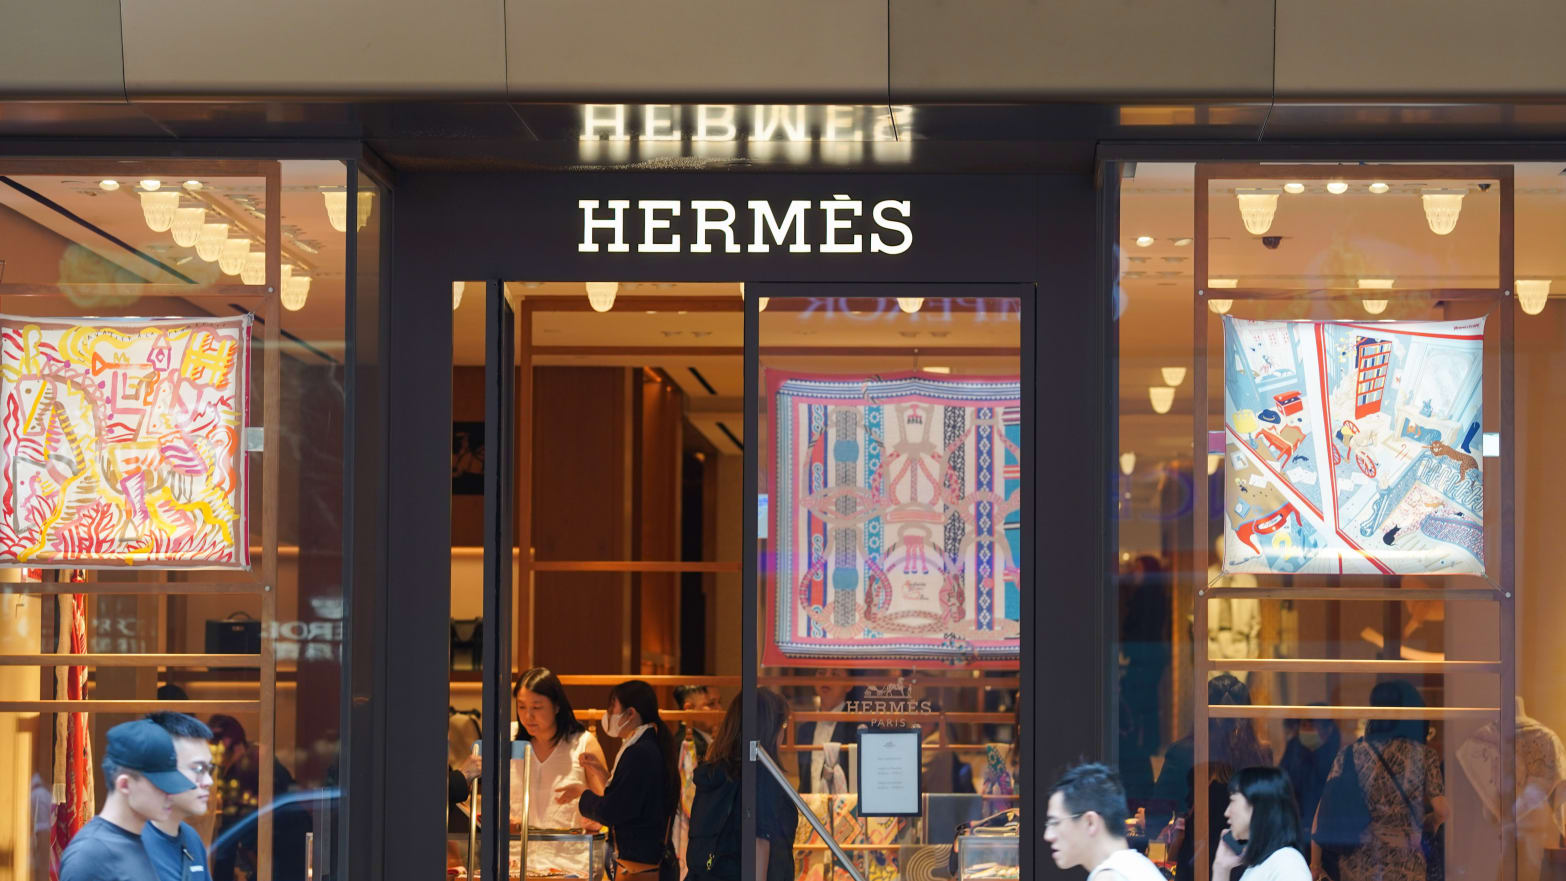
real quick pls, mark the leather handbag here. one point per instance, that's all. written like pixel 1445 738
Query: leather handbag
pixel 1343 817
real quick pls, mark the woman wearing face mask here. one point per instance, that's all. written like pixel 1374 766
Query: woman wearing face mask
pixel 636 799
pixel 1264 829
pixel 1307 759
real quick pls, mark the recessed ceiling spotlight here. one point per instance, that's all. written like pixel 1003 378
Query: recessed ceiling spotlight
pixel 1145 241
pixel 1182 242
pixel 108 185
pixel 192 185
pixel 1337 187
pixel 151 184
pixel 1294 188
pixel 1379 187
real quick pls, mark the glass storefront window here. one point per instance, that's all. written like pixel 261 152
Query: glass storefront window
pixel 1331 415
pixel 174 517
pixel 891 568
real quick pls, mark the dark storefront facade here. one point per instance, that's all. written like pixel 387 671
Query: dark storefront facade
pixel 1073 306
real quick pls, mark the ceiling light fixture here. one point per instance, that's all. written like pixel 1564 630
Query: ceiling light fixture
pixel 254 270
pixel 1533 294
pixel 1376 284
pixel 1379 187
pixel 600 295
pixel 1213 460
pixel 158 209
pixel 1223 282
pixel 1162 397
pixel 108 184
pixel 1127 463
pixel 1374 307
pixel 337 208
pixel 1220 305
pixel 1294 188
pixel 1257 208
pixel 761 303
pixel 186 226
pixel 1441 208
pixel 1173 375
pixel 933 369
pixel 456 294
pixel 1182 242
pixel 209 243
pixel 151 185
pixel 232 258
pixel 1145 241
pixel 192 185
pixel 1337 187
pixel 910 304
pixel 296 290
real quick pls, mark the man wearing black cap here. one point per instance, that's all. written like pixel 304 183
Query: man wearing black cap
pixel 141 768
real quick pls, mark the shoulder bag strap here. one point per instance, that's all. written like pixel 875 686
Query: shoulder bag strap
pixel 1417 816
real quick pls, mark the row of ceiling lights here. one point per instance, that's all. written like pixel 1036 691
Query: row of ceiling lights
pixel 163 211
pixel 1259 205
pixel 1532 294
pixel 601 294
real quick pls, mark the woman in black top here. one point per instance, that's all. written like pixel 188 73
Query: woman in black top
pixel 714 853
pixel 637 799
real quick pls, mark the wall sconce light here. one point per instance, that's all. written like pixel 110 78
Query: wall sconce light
pixel 337 208
pixel 296 289
pixel 600 295
pixel 254 270
pixel 232 258
pixel 1127 463
pixel 1257 208
pixel 186 226
pixel 1441 208
pixel 209 242
pixel 1162 397
pixel 1533 294
pixel 1173 376
pixel 158 209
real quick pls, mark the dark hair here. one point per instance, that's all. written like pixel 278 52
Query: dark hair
pixel 681 692
pixel 227 729
pixel 171 692
pixel 634 694
pixel 726 746
pixel 1275 815
pixel 1234 743
pixel 181 725
pixel 1095 787
pixel 1397 693
pixel 544 683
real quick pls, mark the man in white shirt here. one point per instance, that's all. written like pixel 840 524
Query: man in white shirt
pixel 1086 826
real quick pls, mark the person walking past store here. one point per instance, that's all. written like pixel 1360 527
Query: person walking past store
pixel 1263 837
pixel 1086 826
pixel 175 846
pixel 636 798
pixel 141 769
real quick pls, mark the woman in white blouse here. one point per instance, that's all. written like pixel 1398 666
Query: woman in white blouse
pixel 1264 830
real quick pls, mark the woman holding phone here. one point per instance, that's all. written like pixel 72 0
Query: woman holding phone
pixel 1263 836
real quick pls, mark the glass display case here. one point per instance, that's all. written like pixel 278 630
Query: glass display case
pixel 552 853
pixel 988 854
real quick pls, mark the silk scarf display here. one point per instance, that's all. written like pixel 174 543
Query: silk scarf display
pixel 895 511
pixel 121 442
pixel 1353 447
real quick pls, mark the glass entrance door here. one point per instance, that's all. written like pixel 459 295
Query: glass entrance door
pixel 888 526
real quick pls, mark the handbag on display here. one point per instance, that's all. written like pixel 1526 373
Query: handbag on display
pixel 235 634
pixel 1343 816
